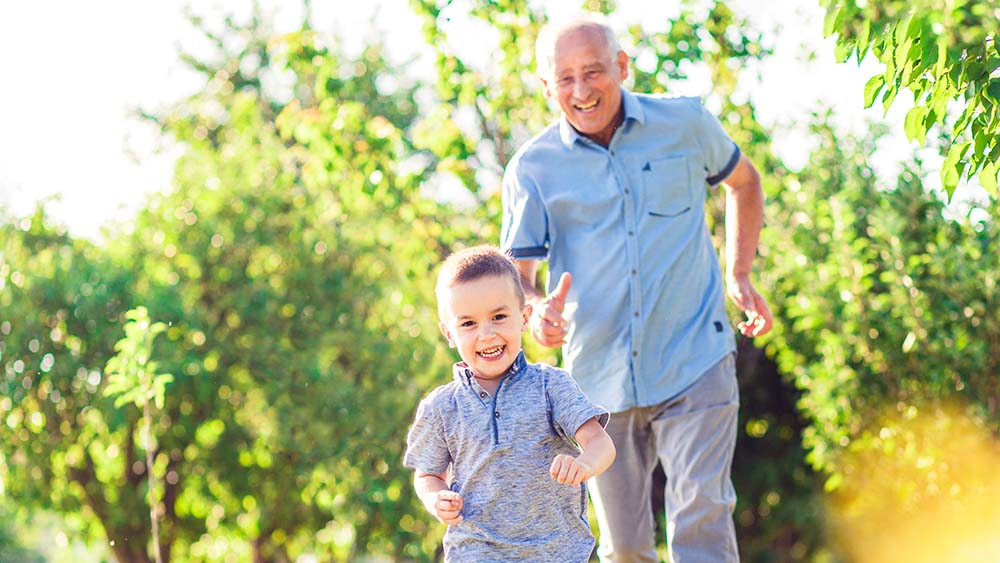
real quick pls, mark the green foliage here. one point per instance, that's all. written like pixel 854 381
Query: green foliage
pixel 132 377
pixel 882 302
pixel 947 54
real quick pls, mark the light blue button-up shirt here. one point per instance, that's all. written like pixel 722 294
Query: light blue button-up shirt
pixel 646 308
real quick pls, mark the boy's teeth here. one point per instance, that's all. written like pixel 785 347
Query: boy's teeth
pixel 492 352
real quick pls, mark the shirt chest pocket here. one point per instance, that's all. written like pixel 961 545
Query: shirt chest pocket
pixel 667 189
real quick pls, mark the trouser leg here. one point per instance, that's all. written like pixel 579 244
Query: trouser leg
pixel 621 494
pixel 695 436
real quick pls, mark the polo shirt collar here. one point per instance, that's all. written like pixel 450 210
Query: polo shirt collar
pixel 464 375
pixel 633 111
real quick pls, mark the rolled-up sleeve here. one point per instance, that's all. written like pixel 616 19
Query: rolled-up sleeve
pixel 524 229
pixel 721 153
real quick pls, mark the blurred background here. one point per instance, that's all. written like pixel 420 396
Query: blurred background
pixel 219 226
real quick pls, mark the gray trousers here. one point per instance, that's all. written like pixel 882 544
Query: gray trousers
pixel 693 435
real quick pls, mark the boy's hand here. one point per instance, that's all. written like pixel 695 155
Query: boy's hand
pixel 568 470
pixel 448 507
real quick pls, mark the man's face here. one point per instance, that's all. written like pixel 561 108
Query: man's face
pixel 484 319
pixel 586 81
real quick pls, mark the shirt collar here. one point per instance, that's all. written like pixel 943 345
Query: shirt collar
pixel 633 111
pixel 464 375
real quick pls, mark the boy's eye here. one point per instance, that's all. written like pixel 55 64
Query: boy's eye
pixel 499 316
pixel 466 324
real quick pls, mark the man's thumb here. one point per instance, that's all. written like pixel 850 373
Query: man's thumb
pixel 562 288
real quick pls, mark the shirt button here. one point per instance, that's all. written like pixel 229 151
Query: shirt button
pixel 482 394
pixel 631 233
pixel 636 313
pixel 634 354
pixel 626 190
pixel 634 271
pixel 497 414
pixel 612 153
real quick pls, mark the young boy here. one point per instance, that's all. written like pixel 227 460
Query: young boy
pixel 492 449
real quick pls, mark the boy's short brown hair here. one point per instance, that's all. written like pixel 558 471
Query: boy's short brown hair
pixel 477 262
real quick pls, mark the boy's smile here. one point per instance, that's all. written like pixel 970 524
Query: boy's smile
pixel 484 319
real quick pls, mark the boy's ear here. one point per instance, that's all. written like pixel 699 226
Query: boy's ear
pixel 526 317
pixel 447 334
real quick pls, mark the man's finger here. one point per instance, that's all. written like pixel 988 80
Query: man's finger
pixel 558 296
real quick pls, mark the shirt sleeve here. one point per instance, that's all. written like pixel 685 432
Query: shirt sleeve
pixel 426 448
pixel 524 228
pixel 721 153
pixel 570 407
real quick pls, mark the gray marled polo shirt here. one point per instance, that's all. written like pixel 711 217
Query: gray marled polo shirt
pixel 500 449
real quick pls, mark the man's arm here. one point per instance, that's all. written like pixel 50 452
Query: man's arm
pixel 744 218
pixel 548 327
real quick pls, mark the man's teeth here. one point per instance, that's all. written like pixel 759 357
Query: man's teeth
pixel 492 352
pixel 591 105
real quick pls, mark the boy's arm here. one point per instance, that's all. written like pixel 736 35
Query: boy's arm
pixel 443 503
pixel 598 452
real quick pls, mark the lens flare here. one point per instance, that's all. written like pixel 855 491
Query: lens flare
pixel 923 486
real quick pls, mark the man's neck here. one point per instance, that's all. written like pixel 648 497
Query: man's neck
pixel 604 136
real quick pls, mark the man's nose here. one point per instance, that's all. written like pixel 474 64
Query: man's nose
pixel 581 90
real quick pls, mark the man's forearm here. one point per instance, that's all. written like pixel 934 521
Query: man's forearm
pixel 744 219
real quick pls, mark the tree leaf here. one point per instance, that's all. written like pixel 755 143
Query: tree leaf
pixel 872 88
pixel 914 124
pixel 890 95
pixel 988 178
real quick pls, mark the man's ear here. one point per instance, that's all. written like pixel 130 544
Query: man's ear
pixel 447 334
pixel 622 60
pixel 526 317
pixel 546 89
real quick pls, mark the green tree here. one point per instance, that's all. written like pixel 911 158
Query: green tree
pixel 293 256
pixel 946 54
pixel 132 378
pixel 886 312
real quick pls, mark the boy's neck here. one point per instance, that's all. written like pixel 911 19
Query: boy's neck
pixel 491 385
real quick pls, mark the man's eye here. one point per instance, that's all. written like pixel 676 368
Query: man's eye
pixel 564 81
pixel 591 74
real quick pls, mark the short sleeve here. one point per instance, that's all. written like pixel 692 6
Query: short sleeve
pixel 524 228
pixel 570 407
pixel 426 448
pixel 721 154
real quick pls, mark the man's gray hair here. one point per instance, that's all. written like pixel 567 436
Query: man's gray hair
pixel 545 46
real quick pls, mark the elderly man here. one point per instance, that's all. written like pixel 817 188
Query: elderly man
pixel 613 196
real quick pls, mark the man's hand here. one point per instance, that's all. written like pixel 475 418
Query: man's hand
pixel 568 470
pixel 548 326
pixel 448 507
pixel 743 294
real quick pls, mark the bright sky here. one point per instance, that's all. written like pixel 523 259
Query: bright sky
pixel 73 72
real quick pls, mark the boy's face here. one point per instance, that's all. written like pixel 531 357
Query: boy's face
pixel 484 320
